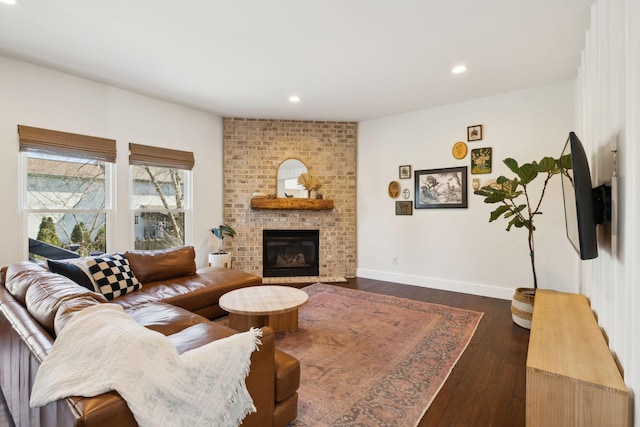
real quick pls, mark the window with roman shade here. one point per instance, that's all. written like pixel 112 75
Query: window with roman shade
pixel 161 188
pixel 67 194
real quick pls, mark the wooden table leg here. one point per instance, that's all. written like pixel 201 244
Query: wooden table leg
pixel 243 322
pixel 287 321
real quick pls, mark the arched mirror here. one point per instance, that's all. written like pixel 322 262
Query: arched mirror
pixel 288 173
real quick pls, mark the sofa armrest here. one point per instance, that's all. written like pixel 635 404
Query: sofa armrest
pixel 261 381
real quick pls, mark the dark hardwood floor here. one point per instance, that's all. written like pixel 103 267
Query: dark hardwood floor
pixel 487 386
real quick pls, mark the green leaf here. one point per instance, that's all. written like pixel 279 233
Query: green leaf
pixel 528 173
pixel 512 164
pixel 495 198
pixel 498 212
pixel 223 231
pixel 515 222
pixel 565 161
pixel 547 164
pixel 484 191
pixel 510 186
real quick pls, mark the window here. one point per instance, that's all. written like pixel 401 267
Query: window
pixel 67 196
pixel 160 189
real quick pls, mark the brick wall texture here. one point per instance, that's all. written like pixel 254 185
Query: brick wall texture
pixel 253 150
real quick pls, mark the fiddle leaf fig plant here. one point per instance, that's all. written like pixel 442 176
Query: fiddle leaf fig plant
pixel 516 203
pixel 221 232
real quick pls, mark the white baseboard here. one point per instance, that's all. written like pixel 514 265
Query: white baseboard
pixel 447 285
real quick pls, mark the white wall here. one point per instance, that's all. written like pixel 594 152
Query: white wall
pixel 608 110
pixel 40 97
pixel 458 249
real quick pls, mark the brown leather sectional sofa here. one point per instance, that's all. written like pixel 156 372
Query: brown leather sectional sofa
pixel 36 304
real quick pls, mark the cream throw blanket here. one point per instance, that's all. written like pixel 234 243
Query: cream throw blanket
pixel 103 349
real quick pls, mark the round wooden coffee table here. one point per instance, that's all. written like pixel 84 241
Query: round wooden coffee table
pixel 258 306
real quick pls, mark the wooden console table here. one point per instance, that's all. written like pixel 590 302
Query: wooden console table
pixel 572 379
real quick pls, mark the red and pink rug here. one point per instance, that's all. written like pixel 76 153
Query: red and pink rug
pixel 372 360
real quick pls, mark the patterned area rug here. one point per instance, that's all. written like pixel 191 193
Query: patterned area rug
pixel 372 360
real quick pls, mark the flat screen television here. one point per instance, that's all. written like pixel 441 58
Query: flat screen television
pixel 584 206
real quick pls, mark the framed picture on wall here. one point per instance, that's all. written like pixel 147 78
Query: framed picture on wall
pixel 441 188
pixel 474 133
pixel 481 160
pixel 404 207
pixel 405 172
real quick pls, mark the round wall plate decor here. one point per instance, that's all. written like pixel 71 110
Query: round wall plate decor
pixel 459 150
pixel 394 189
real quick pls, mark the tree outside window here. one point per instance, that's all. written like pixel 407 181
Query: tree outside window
pixel 159 206
pixel 66 202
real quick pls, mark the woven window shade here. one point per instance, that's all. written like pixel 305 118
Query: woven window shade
pixel 66 144
pixel 145 155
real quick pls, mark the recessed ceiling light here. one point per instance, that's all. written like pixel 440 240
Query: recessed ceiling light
pixel 294 98
pixel 459 69
pixel 10 2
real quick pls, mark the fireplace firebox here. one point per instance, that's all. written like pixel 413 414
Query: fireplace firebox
pixel 288 253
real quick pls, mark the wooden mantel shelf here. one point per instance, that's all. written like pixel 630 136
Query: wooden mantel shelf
pixel 292 204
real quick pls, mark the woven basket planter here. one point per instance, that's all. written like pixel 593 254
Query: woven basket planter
pixel 522 307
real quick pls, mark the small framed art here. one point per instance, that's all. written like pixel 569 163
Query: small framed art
pixel 474 133
pixel 481 160
pixel 441 188
pixel 404 207
pixel 405 172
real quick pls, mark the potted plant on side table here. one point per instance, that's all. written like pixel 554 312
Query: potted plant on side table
pixel 221 258
pixel 517 204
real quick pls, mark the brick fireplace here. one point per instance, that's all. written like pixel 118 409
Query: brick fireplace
pixel 253 150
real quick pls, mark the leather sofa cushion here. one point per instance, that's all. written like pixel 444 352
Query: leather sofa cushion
pixel 17 278
pixel 48 292
pixel 69 308
pixel 151 266
pixel 198 335
pixel 193 292
pixel 164 318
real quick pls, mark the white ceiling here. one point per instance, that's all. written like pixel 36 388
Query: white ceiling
pixel 348 60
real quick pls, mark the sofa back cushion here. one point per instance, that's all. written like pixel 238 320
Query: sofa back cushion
pixel 17 278
pixel 48 292
pixel 69 308
pixel 151 266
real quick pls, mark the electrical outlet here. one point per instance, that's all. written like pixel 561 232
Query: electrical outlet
pixel 394 260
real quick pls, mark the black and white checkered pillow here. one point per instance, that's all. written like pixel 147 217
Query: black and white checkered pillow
pixel 113 275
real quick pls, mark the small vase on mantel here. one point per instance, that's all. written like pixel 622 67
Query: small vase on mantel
pixel 313 194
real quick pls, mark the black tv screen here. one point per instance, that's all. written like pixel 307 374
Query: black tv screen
pixel 578 198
